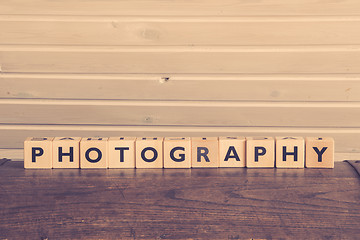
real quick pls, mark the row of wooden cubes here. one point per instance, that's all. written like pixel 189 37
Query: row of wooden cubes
pixel 178 152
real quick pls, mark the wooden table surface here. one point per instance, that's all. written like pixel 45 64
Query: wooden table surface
pixel 180 203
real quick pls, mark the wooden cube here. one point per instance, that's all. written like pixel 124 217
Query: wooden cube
pixel 290 152
pixel 205 152
pixel 319 152
pixel 38 152
pixel 260 152
pixel 232 151
pixel 149 152
pixel 121 152
pixel 93 152
pixel 66 152
pixel 177 152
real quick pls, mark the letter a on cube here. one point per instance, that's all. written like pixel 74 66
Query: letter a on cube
pixel 232 151
pixel 205 152
pixel 149 152
pixel 66 152
pixel 290 152
pixel 319 152
pixel 93 152
pixel 121 152
pixel 177 152
pixel 38 152
pixel 260 152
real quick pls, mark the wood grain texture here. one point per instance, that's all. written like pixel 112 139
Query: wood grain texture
pixel 182 7
pixel 180 31
pixel 150 59
pixel 185 113
pixel 243 87
pixel 346 139
pixel 179 204
pixel 186 67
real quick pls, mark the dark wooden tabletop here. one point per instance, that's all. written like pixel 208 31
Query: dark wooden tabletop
pixel 234 203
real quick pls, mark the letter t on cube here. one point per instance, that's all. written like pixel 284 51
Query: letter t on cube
pixel 121 152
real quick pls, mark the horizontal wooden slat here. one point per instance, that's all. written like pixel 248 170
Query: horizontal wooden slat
pixel 292 87
pixel 227 59
pixel 13 136
pixel 170 32
pixel 181 7
pixel 196 113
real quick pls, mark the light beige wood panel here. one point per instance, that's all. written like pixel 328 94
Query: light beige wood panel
pixel 291 87
pixel 13 136
pixel 182 31
pixel 160 59
pixel 196 113
pixel 181 7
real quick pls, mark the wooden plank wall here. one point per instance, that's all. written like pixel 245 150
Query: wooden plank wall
pixel 172 68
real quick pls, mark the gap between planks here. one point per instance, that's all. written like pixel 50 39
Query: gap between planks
pixel 180 103
pixel 180 48
pixel 187 77
pixel 178 129
pixel 176 7
pixel 180 19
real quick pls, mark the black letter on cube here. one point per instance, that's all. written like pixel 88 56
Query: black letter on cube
pixel 235 155
pixel 34 154
pixel 70 154
pixel 122 149
pixel 181 156
pixel 320 153
pixel 295 153
pixel 149 159
pixel 202 152
pixel 257 153
pixel 93 160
